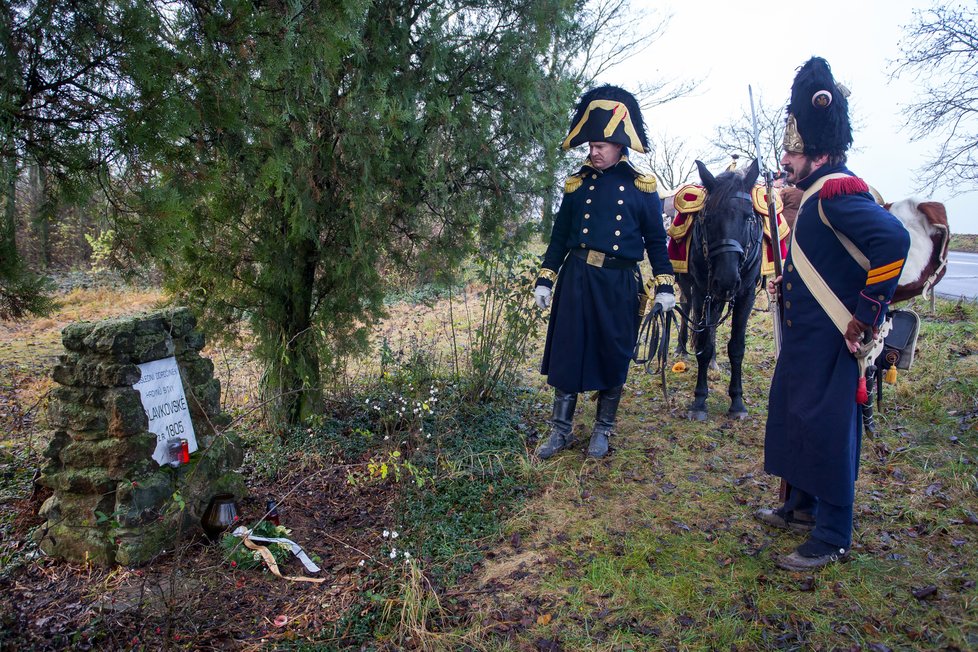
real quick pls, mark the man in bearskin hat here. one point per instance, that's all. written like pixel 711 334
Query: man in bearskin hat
pixel 609 219
pixel 842 269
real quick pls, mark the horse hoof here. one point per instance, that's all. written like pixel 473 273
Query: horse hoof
pixel 696 415
pixel 737 414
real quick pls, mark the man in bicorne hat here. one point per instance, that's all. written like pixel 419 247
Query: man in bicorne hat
pixel 609 219
pixel 842 269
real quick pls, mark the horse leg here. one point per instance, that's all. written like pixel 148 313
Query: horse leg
pixel 683 336
pixel 706 347
pixel 735 351
pixel 704 341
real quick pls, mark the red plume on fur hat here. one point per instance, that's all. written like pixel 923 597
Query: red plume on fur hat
pixel 818 114
pixel 608 114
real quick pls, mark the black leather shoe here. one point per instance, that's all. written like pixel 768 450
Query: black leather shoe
pixel 812 554
pixel 800 563
pixel 779 518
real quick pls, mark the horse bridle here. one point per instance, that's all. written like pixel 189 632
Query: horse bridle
pixel 711 251
pixel 726 245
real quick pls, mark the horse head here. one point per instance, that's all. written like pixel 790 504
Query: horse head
pixel 730 228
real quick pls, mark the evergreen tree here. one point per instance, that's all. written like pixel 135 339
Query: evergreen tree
pixel 61 94
pixel 291 149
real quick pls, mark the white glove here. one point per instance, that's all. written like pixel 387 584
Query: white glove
pixel 541 294
pixel 667 300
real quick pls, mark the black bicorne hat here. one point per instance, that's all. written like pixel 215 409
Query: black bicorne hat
pixel 818 114
pixel 608 114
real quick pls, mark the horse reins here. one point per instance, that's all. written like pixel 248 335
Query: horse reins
pixel 654 335
pixel 711 251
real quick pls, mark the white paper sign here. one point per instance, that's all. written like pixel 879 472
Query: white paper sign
pixel 166 405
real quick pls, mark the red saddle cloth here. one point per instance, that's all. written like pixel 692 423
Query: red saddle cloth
pixel 689 201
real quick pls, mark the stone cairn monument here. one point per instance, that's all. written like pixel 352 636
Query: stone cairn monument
pixel 113 502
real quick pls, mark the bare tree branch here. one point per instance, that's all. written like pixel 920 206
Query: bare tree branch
pixel 940 52
pixel 737 136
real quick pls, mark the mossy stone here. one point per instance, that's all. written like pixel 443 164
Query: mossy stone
pixel 73 335
pixel 152 346
pixel 126 416
pixel 137 546
pixel 77 544
pixel 80 481
pixel 76 416
pixel 115 455
pixel 143 499
pixel 112 336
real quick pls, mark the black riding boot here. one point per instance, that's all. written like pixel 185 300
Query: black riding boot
pixel 604 421
pixel 561 425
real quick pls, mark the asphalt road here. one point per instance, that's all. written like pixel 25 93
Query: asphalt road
pixel 961 279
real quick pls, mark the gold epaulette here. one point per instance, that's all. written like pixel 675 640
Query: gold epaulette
pixel 759 195
pixel 645 182
pixel 573 182
pixel 689 198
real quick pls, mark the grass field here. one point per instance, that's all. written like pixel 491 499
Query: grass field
pixel 964 242
pixel 653 548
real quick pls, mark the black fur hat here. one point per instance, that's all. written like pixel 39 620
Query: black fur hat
pixel 818 114
pixel 608 114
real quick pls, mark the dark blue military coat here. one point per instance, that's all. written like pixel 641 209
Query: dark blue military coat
pixel 814 424
pixel 593 319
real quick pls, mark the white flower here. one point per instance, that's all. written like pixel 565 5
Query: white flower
pixel 386 533
pixel 394 535
pixel 407 555
pixel 362 562
pixel 393 553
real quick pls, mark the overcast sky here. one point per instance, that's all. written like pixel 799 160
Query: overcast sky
pixel 729 48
